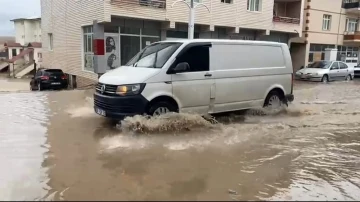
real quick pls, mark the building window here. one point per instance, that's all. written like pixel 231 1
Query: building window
pixel 351 24
pixel 51 41
pixel 88 48
pixel 326 22
pixel 317 52
pixel 253 5
pixel 348 54
pixel 226 1
pixel 39 55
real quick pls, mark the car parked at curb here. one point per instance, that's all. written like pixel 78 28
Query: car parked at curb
pixel 325 71
pixel 48 79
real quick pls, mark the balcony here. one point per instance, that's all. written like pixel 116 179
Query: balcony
pixel 286 20
pixel 351 6
pixel 147 3
pixel 148 9
pixel 287 16
pixel 352 37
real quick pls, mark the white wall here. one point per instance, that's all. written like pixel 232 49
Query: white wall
pixel 19 32
pixel 27 31
pixel 38 60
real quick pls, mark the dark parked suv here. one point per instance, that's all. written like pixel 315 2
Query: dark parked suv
pixel 49 79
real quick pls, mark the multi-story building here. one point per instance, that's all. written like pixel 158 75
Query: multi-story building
pixel 27 30
pixel 26 51
pixel 331 25
pixel 75 33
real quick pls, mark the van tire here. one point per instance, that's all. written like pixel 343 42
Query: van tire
pixel 325 78
pixel 160 106
pixel 274 95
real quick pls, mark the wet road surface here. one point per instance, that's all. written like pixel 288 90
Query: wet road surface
pixel 52 146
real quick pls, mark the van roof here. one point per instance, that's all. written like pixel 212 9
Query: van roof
pixel 226 41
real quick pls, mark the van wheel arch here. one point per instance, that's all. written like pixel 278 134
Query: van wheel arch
pixel 162 99
pixel 277 91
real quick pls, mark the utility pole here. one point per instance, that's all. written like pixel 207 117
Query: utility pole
pixel 192 5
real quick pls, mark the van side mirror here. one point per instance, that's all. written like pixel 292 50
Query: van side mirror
pixel 181 67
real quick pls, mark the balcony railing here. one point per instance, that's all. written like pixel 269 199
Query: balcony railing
pixel 286 20
pixel 348 4
pixel 351 36
pixel 150 3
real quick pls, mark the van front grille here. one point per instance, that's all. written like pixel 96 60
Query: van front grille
pixel 109 89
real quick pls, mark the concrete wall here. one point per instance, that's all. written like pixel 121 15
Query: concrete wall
pixel 36 58
pixel 292 9
pixel 298 55
pixel 19 32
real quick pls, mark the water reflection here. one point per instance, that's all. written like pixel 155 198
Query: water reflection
pixel 23 146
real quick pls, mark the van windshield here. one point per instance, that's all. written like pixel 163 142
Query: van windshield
pixel 154 56
pixel 320 64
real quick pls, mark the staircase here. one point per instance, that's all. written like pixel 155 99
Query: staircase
pixel 3 65
pixel 25 69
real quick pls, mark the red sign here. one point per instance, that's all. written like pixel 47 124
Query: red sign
pixel 99 46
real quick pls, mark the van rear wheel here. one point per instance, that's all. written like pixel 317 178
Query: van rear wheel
pixel 161 108
pixel 274 101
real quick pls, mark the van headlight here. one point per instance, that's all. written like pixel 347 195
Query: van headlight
pixel 132 89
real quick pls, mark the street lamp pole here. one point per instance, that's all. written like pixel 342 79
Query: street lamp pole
pixel 192 6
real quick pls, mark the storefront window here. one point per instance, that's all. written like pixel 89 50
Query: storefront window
pixel 317 52
pixel 348 54
pixel 132 40
pixel 88 48
pixel 130 46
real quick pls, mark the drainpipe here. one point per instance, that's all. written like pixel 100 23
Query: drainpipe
pixel 337 36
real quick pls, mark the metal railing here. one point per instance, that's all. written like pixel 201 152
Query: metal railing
pixel 286 20
pixel 350 36
pixel 348 4
pixel 149 3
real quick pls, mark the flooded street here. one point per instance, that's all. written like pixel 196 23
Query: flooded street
pixel 54 147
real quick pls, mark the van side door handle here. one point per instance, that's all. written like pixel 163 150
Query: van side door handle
pixel 208 75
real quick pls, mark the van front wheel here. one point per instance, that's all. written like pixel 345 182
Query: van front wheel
pixel 160 108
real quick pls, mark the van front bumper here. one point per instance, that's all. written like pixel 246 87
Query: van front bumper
pixel 119 107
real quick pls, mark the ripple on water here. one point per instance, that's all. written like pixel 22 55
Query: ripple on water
pixel 22 135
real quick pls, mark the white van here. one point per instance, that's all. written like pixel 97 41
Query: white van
pixel 202 76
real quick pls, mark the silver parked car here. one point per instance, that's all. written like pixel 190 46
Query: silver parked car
pixel 325 71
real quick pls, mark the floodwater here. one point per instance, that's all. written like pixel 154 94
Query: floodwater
pixel 53 147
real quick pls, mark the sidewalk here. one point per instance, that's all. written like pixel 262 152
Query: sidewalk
pixel 13 85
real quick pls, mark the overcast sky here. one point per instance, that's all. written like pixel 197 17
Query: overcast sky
pixel 11 9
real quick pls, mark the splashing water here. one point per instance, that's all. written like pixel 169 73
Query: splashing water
pixel 173 122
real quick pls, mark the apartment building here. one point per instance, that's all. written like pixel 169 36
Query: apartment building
pixel 25 52
pixel 86 37
pixel 331 24
pixel 27 30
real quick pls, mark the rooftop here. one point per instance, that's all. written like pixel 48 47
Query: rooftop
pixel 28 18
